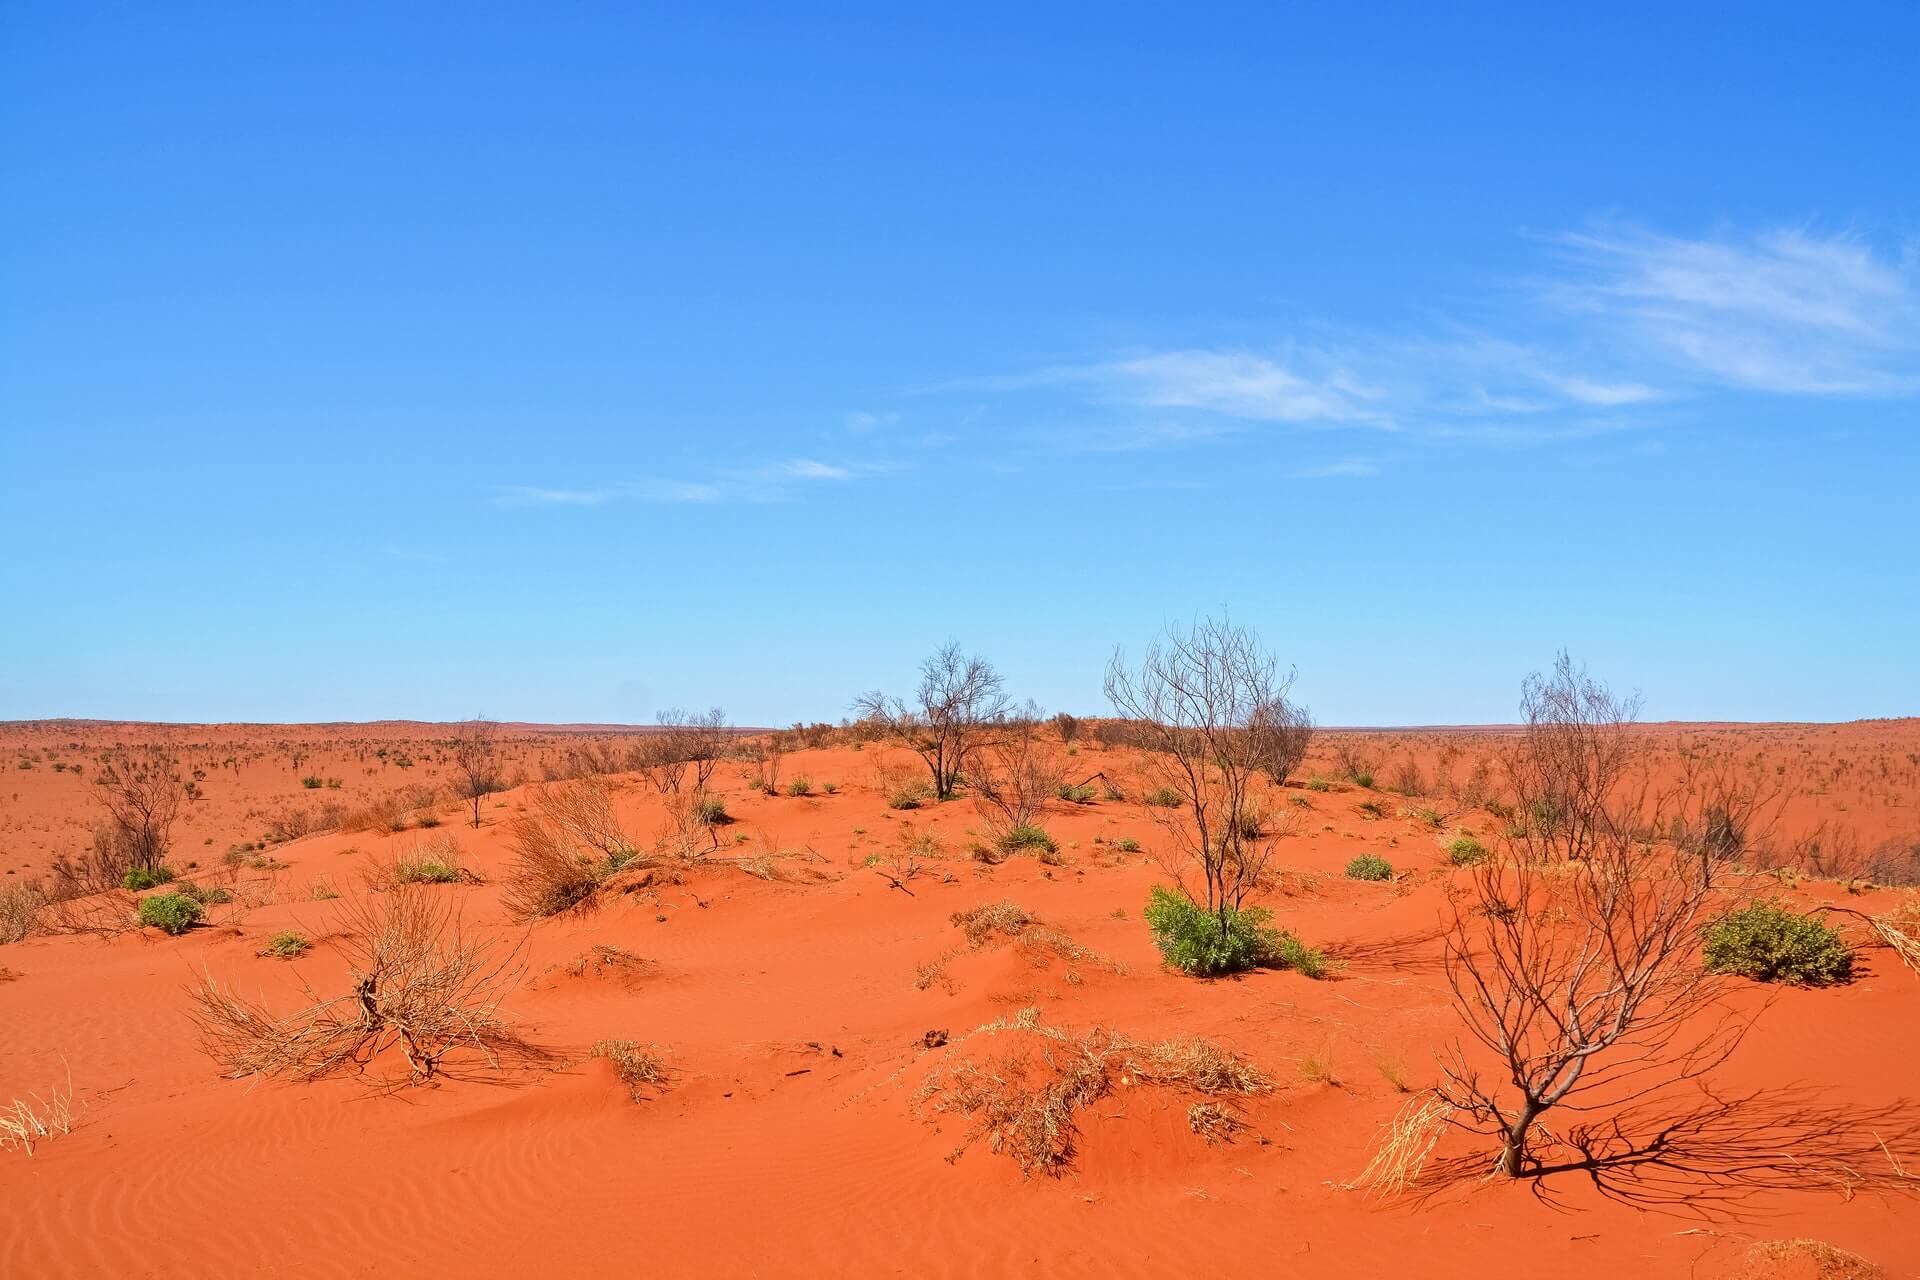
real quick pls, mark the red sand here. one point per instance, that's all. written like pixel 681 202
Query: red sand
pixel 785 1142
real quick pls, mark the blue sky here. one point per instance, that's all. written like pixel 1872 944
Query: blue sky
pixel 570 362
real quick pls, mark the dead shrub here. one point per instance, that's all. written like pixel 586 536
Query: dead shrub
pixel 636 1066
pixel 420 986
pixel 20 910
pixel 1004 917
pixel 1023 1103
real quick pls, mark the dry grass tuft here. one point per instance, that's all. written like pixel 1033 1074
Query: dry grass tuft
pixel 1003 917
pixel 1900 930
pixel 1214 1121
pixel 19 910
pixel 1023 1103
pixel 603 960
pixel 637 1066
pixel 420 987
pixel 27 1122
pixel 1404 1143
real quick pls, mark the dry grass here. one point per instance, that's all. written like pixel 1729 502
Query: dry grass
pixel 19 910
pixel 636 1065
pixel 420 987
pixel 1023 1103
pixel 1003 917
pixel 1214 1121
pixel 27 1122
pixel 1404 1143
pixel 605 960
pixel 1900 930
pixel 433 860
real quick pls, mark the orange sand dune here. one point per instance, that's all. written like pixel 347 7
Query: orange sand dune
pixel 785 1140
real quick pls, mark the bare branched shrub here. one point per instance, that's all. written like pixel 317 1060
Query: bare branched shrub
pixel 583 811
pixel 766 752
pixel 686 744
pixel 141 791
pixel 1207 704
pixel 1569 767
pixel 1351 757
pixel 958 697
pixel 1014 772
pixel 690 831
pixel 476 763
pixel 420 988
pixel 1575 956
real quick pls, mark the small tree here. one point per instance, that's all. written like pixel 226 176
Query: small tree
pixel 1204 703
pixel 685 743
pixel 958 696
pixel 476 763
pixel 141 791
pixel 1015 772
pixel 1574 956
pixel 1569 765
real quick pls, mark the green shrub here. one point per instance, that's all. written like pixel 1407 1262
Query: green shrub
pixel 1464 851
pixel 800 787
pixel 831 788
pixel 205 897
pixel 140 879
pixel 756 784
pixel 1363 780
pixel 426 868
pixel 170 912
pixel 1318 783
pixel 1372 809
pixel 1081 793
pixel 1369 866
pixel 1769 943
pixel 712 810
pixel 286 944
pixel 1027 836
pixel 1127 844
pixel 311 782
pixel 1162 798
pixel 1207 943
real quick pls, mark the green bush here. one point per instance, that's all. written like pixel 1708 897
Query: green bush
pixel 170 912
pixel 1769 943
pixel 1127 844
pixel 1162 798
pixel 286 944
pixel 205 897
pixel 1369 866
pixel 1081 793
pixel 1318 783
pixel 712 810
pixel 1363 780
pixel 311 783
pixel 140 879
pixel 1207 943
pixel 1465 851
pixel 426 869
pixel 1027 836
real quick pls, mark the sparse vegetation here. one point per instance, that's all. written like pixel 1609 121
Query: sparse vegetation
pixel 1208 944
pixel 173 913
pixel 1369 866
pixel 286 945
pixel 1769 943
pixel 635 1065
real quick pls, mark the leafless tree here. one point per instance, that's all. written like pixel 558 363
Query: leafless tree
pixel 1068 726
pixel 766 752
pixel 476 763
pixel 686 743
pixel 141 791
pixel 1200 703
pixel 958 696
pixel 1282 731
pixel 1570 763
pixel 1015 771
pixel 1574 956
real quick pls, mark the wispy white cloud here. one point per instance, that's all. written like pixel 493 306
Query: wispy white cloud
pixel 777 481
pixel 864 421
pixel 1785 310
pixel 1626 325
pixel 520 495
pixel 1342 469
